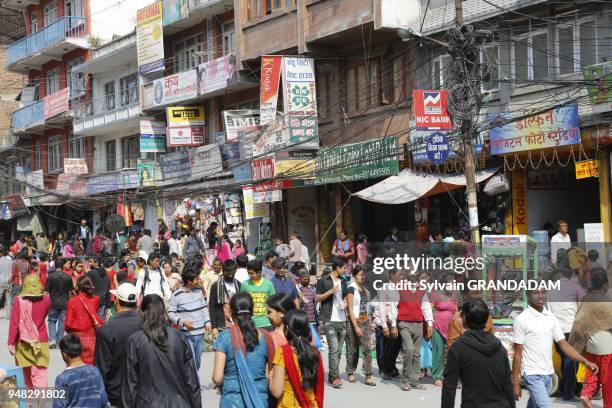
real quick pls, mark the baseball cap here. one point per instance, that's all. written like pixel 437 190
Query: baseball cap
pixel 126 292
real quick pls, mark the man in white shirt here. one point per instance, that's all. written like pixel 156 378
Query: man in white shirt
pixel 388 343
pixel 282 249
pixel 242 274
pixel 152 280
pixel 561 240
pixel 174 244
pixel 534 331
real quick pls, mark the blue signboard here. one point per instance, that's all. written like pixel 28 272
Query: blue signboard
pixel 103 183
pixel 437 148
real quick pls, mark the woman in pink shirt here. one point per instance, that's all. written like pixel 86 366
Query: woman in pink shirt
pixel 444 310
pixel 362 251
pixel 224 251
pixel 27 339
pixel 238 249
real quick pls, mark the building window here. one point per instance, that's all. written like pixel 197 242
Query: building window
pixel 260 8
pixel 76 81
pixel 109 95
pixel 33 23
pixel 50 13
pixel 54 154
pixel 111 155
pixel 76 147
pixel 530 54
pixel 52 79
pixel 489 54
pixel 363 86
pixel 439 67
pixel 129 89
pixel 73 8
pixel 228 38
pixel 577 46
pixel 185 53
pixel 323 95
pixel 130 152
pixel 37 157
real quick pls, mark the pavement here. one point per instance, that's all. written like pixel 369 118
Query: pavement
pixel 357 394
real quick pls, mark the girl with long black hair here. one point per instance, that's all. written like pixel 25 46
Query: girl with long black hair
pixel 241 356
pixel 278 306
pixel 160 370
pixel 297 375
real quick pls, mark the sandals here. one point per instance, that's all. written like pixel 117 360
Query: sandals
pixel 351 379
pixel 370 382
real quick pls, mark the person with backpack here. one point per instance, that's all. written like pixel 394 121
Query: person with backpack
pixel 153 280
pixel 102 285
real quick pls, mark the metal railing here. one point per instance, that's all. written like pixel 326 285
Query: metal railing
pixel 106 104
pixel 198 4
pixel 29 116
pixel 54 33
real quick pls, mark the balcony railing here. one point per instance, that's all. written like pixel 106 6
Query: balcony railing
pixel 29 116
pixel 54 33
pixel 198 4
pixel 106 109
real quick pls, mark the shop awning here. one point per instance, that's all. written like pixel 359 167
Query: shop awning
pixel 409 186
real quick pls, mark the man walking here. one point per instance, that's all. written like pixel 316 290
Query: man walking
pixel 112 338
pixel 260 290
pixel 173 244
pixel 534 331
pixel 189 311
pixel 193 246
pixel 267 270
pixel 390 243
pixel 282 283
pixel 331 291
pixel 84 233
pixel 152 280
pixel 561 240
pixel 295 249
pixel 145 243
pixel 480 361
pixel 58 287
pixel 388 342
pixel 220 294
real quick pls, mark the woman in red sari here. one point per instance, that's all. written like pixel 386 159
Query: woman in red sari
pixel 82 319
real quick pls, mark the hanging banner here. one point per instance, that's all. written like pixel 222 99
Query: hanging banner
pixel 75 166
pixel 152 136
pixel 175 88
pixel 56 103
pixel 185 136
pixel 205 161
pixel 252 209
pixel 35 182
pixel 175 10
pixel 599 86
pixel 146 173
pixel 289 133
pixel 102 183
pixel 186 116
pixel 270 196
pixel 217 74
pixel 175 166
pixel 299 86
pixel 586 169
pixel 557 127
pixel 430 110
pixel 239 123
pixel 150 38
pixel 519 202
pixel 262 168
pixel 295 164
pixel 268 94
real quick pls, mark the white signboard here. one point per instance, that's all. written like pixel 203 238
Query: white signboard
pixel 35 182
pixel 175 88
pixel 299 89
pixel 75 166
pixel 594 241
pixel 269 196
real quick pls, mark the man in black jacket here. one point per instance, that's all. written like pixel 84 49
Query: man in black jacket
pixel 220 294
pixel 111 341
pixel 480 361
pixel 101 282
pixel 58 286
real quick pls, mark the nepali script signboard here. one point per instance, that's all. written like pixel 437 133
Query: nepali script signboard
pixel 557 127
pixel 150 38
pixel 357 161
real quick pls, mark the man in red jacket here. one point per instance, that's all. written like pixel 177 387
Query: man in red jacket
pixel 413 310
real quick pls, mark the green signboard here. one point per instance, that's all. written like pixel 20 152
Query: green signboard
pixel 599 85
pixel 357 161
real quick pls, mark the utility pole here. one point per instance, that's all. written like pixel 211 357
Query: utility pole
pixel 465 100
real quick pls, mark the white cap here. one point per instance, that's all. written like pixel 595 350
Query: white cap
pixel 126 292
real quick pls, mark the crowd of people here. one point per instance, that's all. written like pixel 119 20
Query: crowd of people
pixel 120 321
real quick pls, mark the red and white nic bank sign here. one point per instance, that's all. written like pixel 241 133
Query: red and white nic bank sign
pixel 430 110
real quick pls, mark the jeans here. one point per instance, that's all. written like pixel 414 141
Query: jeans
pixel 568 368
pixel 196 344
pixel 102 312
pixel 380 348
pixel 335 332
pixel 539 387
pixel 411 334
pixel 56 333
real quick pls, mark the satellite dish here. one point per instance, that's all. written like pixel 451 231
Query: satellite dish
pixel 115 224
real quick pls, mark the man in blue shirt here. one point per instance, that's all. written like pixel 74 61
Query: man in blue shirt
pixel 282 283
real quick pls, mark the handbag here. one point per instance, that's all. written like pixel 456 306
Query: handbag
pixel 316 339
pixel 94 317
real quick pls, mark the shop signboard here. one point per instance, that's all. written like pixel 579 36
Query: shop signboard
pixel 241 173
pixel 519 201
pixel 295 164
pixel 557 127
pixel 146 173
pixel 175 88
pixel 594 241
pixel 239 123
pixel 103 183
pixel 269 196
pixel 174 10
pixel 129 179
pixel 186 116
pixel 357 161
pixel 185 136
pixel 217 74
pixel 77 187
pixel 175 166
pixel 503 241
pixel 288 133
pixel 262 168
pixel 252 209
pixel 35 182
pixel 205 161
pixel 599 86
pixel 268 94
pixel 419 140
pixel 430 111
pixel 437 148
pixel 265 239
pixel 274 185
pixel 17 206
pixel 75 166
pixel 56 103
pixel 586 169
pixel 299 86
pixel 150 38
pixel 152 136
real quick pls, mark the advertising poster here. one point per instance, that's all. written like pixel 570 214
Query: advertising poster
pixel 185 136
pixel 175 166
pixel 186 116
pixel 299 89
pixel 599 86
pixel 175 10
pixel 430 110
pixel 268 94
pixel 56 103
pixel 175 88
pixel 251 209
pixel 150 38
pixel 146 174
pixel 239 123
pixel 152 136
pixel 217 74
pixel 262 168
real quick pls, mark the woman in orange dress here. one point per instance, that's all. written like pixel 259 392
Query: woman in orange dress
pixel 82 318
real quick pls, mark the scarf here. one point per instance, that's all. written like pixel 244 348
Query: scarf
pixel 594 314
pixel 346 244
pixel 28 332
pixel 250 395
pixel 222 291
pixel 294 378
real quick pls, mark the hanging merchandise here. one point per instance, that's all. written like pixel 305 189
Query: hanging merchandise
pixel 138 212
pixel 496 185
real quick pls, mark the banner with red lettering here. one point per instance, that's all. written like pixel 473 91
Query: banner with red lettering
pixel 430 110
pixel 263 168
pixel 268 94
